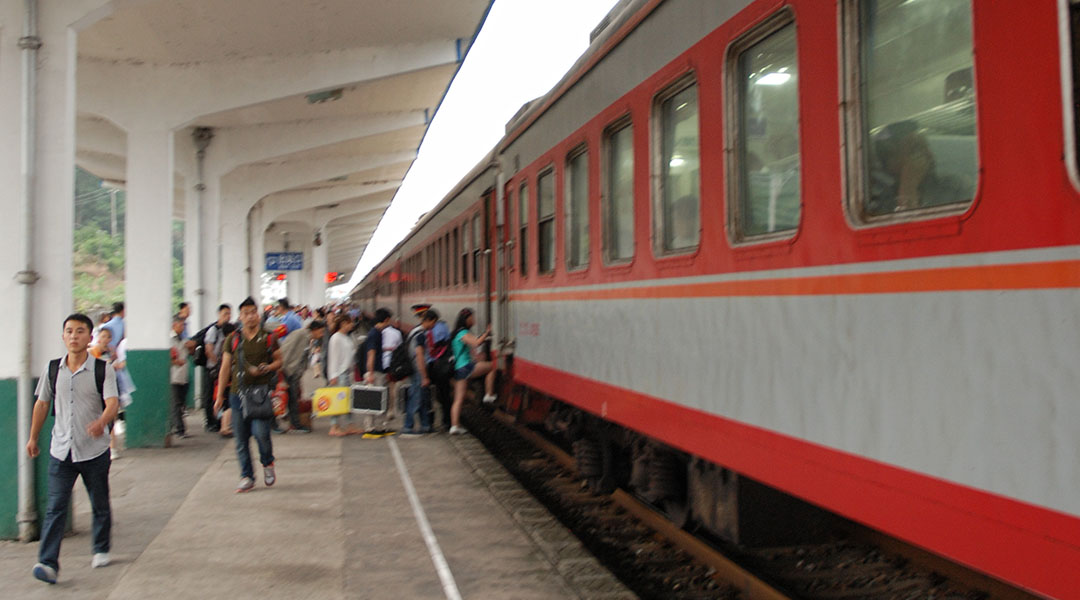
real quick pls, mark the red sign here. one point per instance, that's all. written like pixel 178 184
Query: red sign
pixel 331 276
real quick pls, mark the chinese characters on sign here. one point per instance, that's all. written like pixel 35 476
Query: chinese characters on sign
pixel 284 261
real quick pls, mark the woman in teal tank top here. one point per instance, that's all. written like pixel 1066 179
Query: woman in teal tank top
pixel 463 344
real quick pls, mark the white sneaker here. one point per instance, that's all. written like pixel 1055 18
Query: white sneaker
pixel 490 398
pixel 458 430
pixel 246 483
pixel 101 559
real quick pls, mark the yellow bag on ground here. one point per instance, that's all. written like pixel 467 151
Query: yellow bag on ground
pixel 330 401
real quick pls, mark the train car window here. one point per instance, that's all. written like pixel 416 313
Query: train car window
pixel 576 208
pixel 466 244
pixel 545 222
pixel 523 225
pixel 678 169
pixel 619 193
pixel 912 147
pixel 764 131
pixel 443 273
pixel 455 250
pixel 478 243
pixel 1073 87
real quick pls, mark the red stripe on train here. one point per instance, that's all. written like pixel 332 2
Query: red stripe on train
pixel 1031 547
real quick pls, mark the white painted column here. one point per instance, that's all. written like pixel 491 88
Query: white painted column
pixel 148 274
pixel 320 260
pixel 233 233
pixel 211 246
pixel 11 180
pixel 54 206
pixel 257 261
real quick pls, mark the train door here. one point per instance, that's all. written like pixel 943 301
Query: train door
pixel 504 259
pixel 482 237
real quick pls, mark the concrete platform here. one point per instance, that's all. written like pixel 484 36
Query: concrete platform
pixel 340 522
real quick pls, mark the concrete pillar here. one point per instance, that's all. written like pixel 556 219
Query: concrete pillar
pixel 211 246
pixel 256 264
pixel 233 232
pixel 51 227
pixel 320 259
pixel 148 280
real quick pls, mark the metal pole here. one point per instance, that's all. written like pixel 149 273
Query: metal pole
pixel 29 43
pixel 201 137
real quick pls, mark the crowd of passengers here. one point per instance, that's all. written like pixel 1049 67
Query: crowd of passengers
pixel 293 348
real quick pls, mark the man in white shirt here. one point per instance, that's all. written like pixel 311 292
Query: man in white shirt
pixel 84 410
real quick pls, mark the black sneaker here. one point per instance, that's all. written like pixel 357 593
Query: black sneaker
pixel 300 429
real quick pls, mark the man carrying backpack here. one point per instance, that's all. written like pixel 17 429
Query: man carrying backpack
pixel 250 360
pixel 212 341
pixel 419 399
pixel 82 392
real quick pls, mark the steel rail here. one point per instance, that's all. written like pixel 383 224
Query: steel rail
pixel 726 570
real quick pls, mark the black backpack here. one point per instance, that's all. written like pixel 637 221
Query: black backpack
pixel 401 363
pixel 99 378
pixel 199 354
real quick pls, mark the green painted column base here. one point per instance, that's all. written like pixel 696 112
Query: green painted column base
pixel 9 461
pixel 147 419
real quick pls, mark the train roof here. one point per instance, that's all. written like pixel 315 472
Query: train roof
pixel 616 25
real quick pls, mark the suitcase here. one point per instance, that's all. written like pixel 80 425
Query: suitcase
pixel 368 399
pixel 330 402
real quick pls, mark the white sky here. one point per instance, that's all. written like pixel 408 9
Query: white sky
pixel 523 50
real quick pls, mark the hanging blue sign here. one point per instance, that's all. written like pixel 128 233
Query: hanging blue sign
pixel 284 261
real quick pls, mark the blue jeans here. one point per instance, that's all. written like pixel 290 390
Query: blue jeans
pixel 62 475
pixel 419 401
pixel 243 429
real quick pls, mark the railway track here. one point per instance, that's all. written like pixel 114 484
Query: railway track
pixel 658 560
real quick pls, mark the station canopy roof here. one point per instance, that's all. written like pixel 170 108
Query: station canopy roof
pixel 317 106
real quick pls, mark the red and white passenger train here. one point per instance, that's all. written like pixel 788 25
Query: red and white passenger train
pixel 826 248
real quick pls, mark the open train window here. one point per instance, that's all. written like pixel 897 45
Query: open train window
pixel 576 208
pixel 523 227
pixel 677 169
pixel 545 222
pixel 619 192
pixel 910 98
pixel 763 132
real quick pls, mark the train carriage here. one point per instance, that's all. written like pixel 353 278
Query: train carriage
pixel 830 248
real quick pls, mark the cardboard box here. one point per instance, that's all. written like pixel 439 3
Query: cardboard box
pixel 330 401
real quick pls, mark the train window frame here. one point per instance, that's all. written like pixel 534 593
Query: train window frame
pixel 477 247
pixel 734 131
pixel 444 263
pixel 620 125
pixel 580 151
pixel 684 82
pixel 454 252
pixel 1069 38
pixel 523 227
pixel 465 250
pixel 856 137
pixel 541 220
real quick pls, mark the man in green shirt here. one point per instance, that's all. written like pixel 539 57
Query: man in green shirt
pixel 250 359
